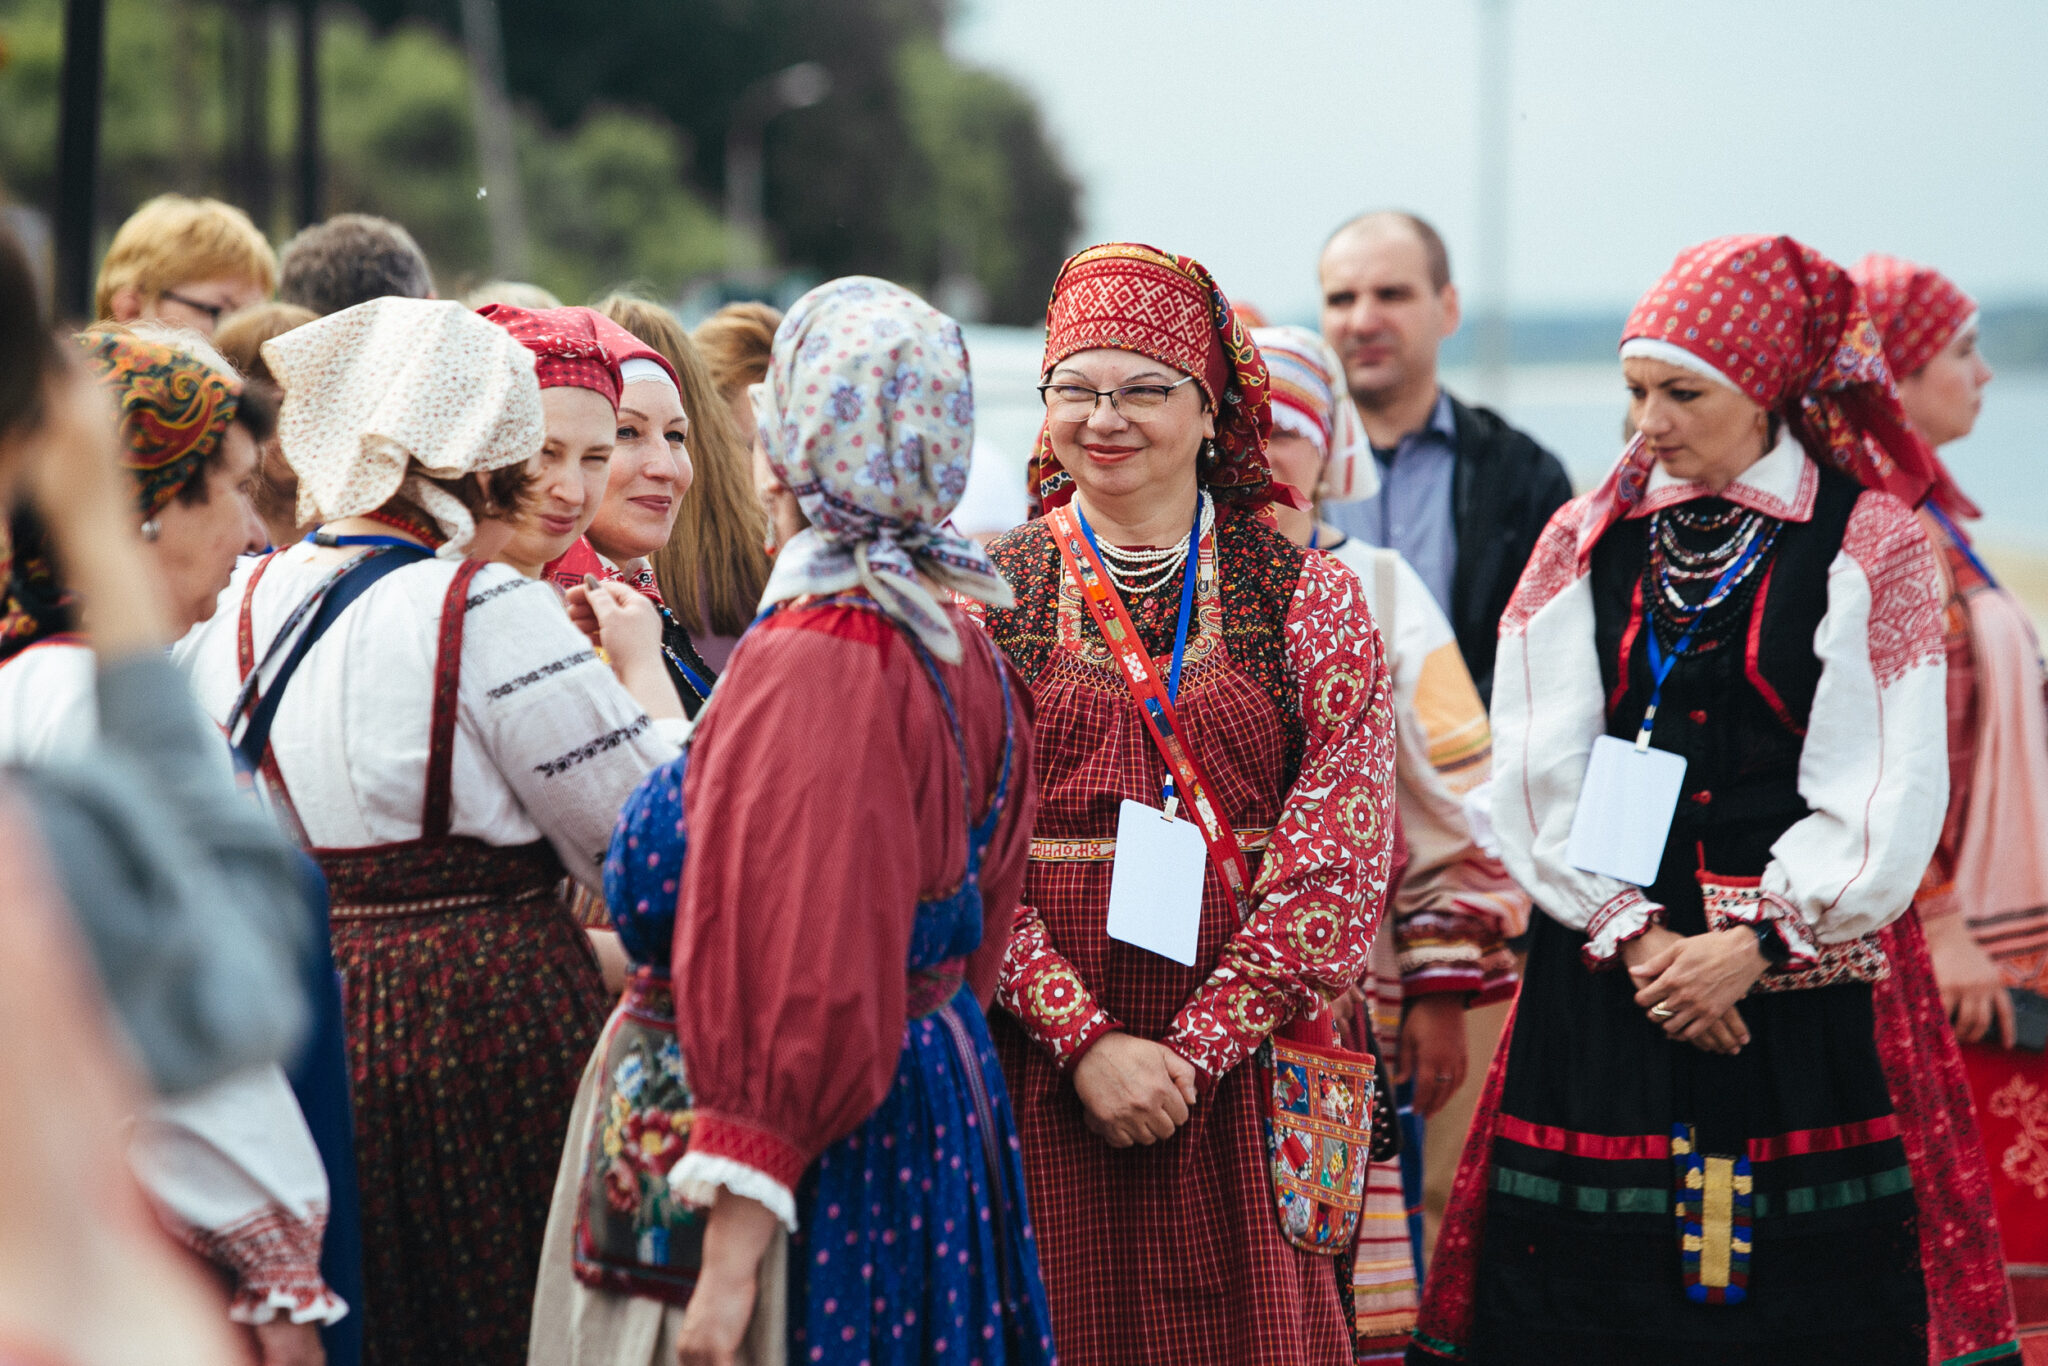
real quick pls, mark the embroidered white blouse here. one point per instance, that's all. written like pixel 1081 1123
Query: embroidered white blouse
pixel 547 742
pixel 1874 768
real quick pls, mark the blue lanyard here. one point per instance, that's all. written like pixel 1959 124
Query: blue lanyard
pixel 1961 543
pixel 1662 664
pixel 330 540
pixel 1187 610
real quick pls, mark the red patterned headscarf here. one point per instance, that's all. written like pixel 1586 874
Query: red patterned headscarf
pixel 1917 309
pixel 174 410
pixel 570 350
pixel 1786 326
pixel 1133 297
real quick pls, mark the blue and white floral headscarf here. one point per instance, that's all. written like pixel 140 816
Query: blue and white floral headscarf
pixel 867 415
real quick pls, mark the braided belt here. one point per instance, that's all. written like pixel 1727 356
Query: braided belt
pixel 438 905
pixel 1104 850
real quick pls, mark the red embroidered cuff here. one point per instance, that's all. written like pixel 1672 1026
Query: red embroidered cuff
pixel 1048 997
pixel 1442 979
pixel 274 1258
pixel 1622 918
pixel 715 1135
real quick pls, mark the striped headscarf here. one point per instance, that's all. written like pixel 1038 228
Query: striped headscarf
pixel 1311 400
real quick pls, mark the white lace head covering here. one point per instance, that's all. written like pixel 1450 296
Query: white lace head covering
pixel 371 388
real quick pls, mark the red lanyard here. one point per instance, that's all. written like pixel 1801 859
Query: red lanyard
pixel 1149 692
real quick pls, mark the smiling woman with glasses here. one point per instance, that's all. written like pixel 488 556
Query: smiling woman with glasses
pixel 1156 614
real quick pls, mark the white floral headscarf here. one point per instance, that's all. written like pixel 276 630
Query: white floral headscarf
pixel 372 387
pixel 867 415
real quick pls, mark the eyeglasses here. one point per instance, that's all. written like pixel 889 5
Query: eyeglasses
pixel 212 311
pixel 1076 402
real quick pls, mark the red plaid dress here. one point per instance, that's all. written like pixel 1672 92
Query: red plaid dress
pixel 1173 1252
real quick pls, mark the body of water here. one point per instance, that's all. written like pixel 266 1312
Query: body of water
pixel 1577 411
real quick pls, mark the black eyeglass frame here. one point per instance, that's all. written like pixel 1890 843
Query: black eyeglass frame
pixel 1045 397
pixel 213 311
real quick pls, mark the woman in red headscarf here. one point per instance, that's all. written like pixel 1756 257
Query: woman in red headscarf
pixel 1984 900
pixel 1129 1026
pixel 1719 771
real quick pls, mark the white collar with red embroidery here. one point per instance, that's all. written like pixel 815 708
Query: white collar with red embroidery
pixel 1781 485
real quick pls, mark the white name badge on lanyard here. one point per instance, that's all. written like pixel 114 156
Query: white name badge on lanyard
pixel 1625 810
pixel 1155 885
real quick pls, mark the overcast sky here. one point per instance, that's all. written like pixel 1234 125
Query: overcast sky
pixel 1242 132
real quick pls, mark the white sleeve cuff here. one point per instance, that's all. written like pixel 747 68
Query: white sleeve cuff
pixel 696 1180
pixel 1622 918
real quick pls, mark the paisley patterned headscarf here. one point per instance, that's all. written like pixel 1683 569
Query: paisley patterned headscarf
pixel 174 410
pixel 1133 297
pixel 867 415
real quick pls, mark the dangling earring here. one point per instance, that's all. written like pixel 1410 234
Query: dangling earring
pixel 150 530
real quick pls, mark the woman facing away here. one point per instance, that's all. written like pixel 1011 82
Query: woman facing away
pixel 449 744
pixel 1984 901
pixel 851 1137
pixel 1138 1076
pixel 1454 907
pixel 1719 771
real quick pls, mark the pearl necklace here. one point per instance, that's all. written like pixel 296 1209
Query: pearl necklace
pixel 1140 571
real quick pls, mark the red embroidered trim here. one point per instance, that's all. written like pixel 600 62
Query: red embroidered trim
pixel 1888 544
pixel 1800 509
pixel 1801 1142
pixel 1751 664
pixel 1607 1147
pixel 1552 568
pixel 271 1253
pixel 749 1145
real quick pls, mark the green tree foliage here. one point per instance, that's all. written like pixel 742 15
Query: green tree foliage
pixel 608 198
pixel 915 167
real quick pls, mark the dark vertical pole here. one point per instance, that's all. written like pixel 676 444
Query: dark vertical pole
pixel 255 178
pixel 78 154
pixel 309 113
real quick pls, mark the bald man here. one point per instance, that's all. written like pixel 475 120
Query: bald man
pixel 1463 495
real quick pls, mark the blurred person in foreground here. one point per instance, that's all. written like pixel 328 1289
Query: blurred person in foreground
pixel 713 566
pixel 1984 902
pixel 185 263
pixel 1462 495
pixel 735 342
pixel 1688 1151
pixel 233 1167
pixel 451 746
pixel 185 897
pixel 851 1131
pixel 275 489
pixel 350 259
pixel 1455 906
pixel 1210 650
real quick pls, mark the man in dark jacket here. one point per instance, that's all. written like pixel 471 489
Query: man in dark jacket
pixel 1463 495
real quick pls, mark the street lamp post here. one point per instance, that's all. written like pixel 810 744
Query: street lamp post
pixel 746 216
pixel 78 154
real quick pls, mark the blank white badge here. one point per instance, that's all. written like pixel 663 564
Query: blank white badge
pixel 1155 885
pixel 1625 810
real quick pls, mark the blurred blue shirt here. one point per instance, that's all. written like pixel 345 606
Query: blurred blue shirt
pixel 1412 511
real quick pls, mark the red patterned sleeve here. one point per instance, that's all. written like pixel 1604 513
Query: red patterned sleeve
pixel 1323 884
pixel 1043 990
